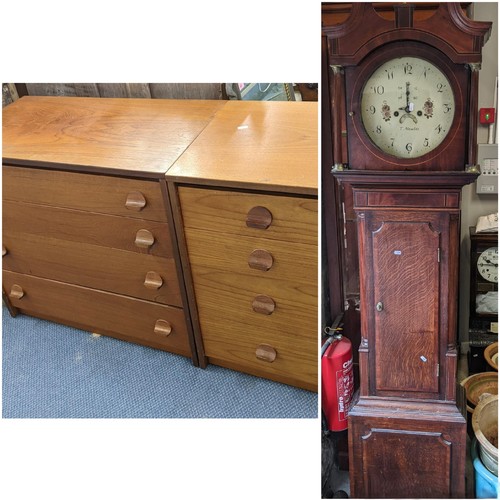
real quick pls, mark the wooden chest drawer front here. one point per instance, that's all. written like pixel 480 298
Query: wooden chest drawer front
pixel 269 263
pixel 123 317
pixel 297 321
pixel 95 193
pixel 93 266
pixel 124 233
pixel 290 352
pixel 220 294
pixel 284 218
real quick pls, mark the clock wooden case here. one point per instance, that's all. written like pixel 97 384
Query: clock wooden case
pixel 428 137
pixel 484 272
pixel 483 321
pixel 403 109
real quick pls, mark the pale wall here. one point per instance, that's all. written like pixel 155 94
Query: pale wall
pixel 474 205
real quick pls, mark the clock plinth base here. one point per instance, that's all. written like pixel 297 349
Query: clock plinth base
pixel 407 449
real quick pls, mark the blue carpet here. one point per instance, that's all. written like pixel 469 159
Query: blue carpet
pixel 53 371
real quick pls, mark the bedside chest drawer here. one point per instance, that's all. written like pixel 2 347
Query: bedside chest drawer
pixel 139 321
pixel 284 218
pixel 221 296
pixel 95 193
pixel 281 356
pixel 257 264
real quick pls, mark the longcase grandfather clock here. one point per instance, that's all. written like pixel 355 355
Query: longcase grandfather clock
pixel 404 113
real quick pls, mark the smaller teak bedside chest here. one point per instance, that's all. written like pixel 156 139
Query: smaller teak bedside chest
pixel 246 194
pixel 93 231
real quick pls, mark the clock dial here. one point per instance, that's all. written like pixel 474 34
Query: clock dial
pixel 487 264
pixel 407 107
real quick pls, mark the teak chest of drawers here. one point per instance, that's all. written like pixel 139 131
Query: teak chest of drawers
pixel 187 226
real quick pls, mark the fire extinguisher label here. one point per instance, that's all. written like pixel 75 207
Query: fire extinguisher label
pixel 345 383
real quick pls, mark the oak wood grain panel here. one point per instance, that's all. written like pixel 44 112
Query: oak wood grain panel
pixel 224 212
pixel 126 135
pixel 86 227
pixel 95 193
pixel 393 470
pixel 92 266
pixel 406 282
pixel 406 449
pixel 263 145
pixel 101 312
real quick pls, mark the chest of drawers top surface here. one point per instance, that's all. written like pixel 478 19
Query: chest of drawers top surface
pixel 128 136
pixel 269 146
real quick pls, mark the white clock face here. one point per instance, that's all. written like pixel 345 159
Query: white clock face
pixel 407 107
pixel 487 264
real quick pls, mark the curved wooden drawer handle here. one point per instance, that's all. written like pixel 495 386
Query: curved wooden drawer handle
pixel 135 201
pixel 153 280
pixel 259 218
pixel 266 353
pixel 261 260
pixel 144 238
pixel 163 327
pixel 263 304
pixel 4 251
pixel 16 292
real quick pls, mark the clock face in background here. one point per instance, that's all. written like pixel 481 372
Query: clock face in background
pixel 407 107
pixel 487 264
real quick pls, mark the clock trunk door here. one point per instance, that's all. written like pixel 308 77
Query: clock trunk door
pixel 406 307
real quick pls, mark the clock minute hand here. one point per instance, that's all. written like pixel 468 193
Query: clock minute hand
pixel 409 105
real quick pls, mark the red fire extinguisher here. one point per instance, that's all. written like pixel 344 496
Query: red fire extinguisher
pixel 337 380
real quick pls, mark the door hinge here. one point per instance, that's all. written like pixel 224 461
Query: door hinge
pixel 437 370
pixel 439 255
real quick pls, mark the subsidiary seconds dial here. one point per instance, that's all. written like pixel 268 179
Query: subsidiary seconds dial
pixel 407 107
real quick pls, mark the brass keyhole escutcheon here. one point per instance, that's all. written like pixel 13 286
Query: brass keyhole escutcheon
pixel 379 306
